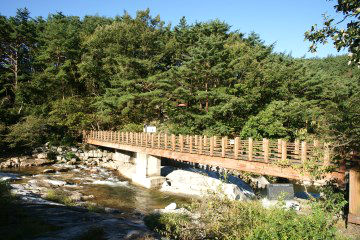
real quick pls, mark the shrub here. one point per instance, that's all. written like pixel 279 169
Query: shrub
pixel 216 218
pixel 70 155
pixel 29 133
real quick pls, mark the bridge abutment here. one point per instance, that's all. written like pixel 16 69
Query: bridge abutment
pixel 147 173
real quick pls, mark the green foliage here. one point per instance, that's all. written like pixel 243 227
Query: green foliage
pixel 72 74
pixel 29 133
pixel 132 127
pixel 216 218
pixel 343 36
pixel 70 155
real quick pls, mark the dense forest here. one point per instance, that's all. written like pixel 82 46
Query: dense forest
pixel 63 74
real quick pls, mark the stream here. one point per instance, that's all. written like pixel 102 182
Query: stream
pixel 108 188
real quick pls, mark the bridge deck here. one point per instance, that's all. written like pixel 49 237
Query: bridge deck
pixel 275 158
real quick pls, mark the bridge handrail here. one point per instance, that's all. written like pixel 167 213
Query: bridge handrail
pixel 267 151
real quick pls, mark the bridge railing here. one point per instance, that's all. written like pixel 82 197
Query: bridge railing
pixel 268 151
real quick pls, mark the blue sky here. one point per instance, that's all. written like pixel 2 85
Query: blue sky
pixel 280 21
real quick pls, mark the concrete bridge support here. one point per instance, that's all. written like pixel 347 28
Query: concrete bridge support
pixel 147 173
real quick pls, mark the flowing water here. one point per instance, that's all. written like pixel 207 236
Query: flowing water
pixel 108 188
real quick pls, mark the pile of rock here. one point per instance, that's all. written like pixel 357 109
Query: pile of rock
pixel 25 161
pixel 71 155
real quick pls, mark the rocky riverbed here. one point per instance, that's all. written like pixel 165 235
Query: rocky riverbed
pixel 78 189
pixel 69 198
pixel 79 198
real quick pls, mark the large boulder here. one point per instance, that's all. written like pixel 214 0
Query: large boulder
pixel 197 182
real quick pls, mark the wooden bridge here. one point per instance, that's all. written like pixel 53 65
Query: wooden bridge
pixel 267 157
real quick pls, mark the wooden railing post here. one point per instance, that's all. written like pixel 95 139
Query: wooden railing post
pixel 283 150
pixel 152 136
pixel 159 140
pixel 205 141
pixel 196 140
pixel 211 146
pixel 236 147
pixel 146 139
pixel 215 143
pixel 250 149
pixel 173 142
pixel 165 141
pixel 190 144
pixel 297 148
pixel 181 142
pixel 279 148
pixel 200 147
pixel 266 149
pixel 223 147
pixel 136 139
pixel 122 137
pixel 303 152
pixel 141 139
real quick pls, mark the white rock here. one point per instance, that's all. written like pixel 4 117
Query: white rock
pixel 171 206
pixel 177 211
pixel 260 182
pixel 199 183
pixel 55 182
pixel 41 156
pixel 110 183
pixel 49 170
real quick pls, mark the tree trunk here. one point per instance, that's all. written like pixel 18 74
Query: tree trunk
pixel 16 74
pixel 207 98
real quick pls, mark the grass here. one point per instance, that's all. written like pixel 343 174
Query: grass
pixel 216 218
pixel 92 207
pixel 59 196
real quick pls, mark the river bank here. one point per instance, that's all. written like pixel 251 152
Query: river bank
pixel 79 201
pixel 79 192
